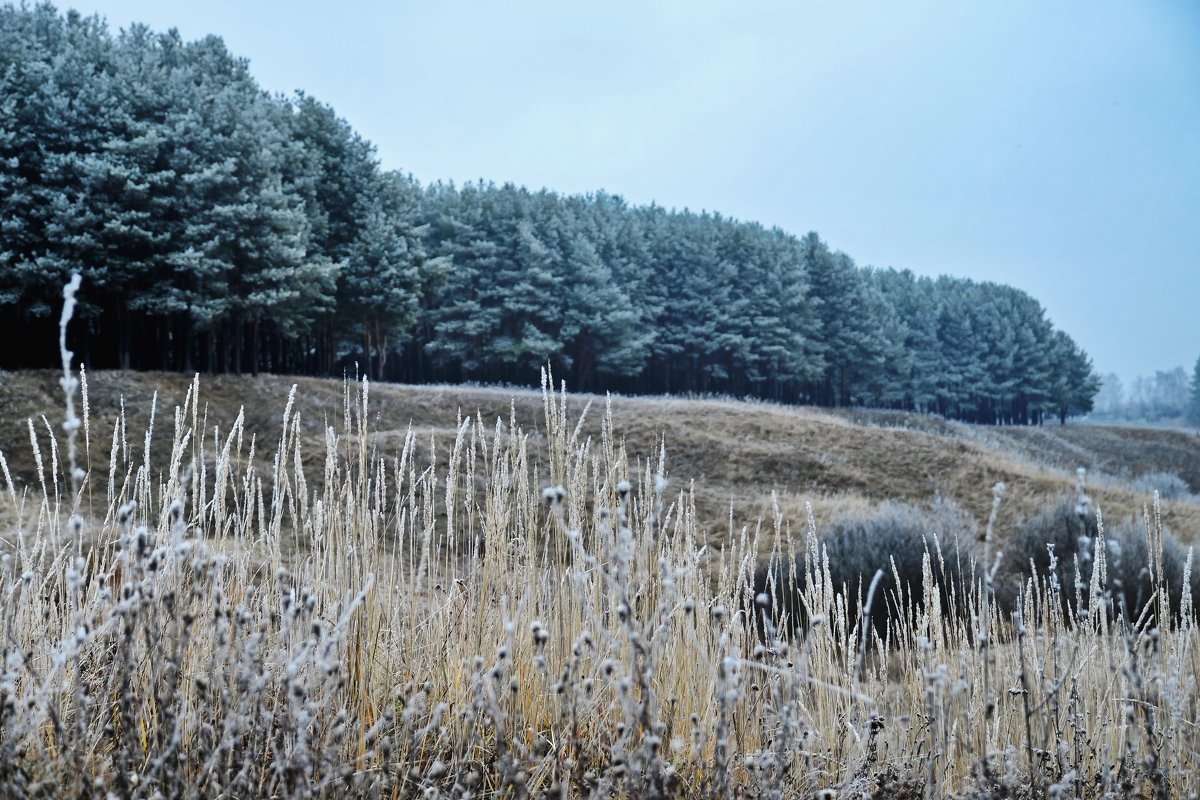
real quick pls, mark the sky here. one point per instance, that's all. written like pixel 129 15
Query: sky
pixel 1054 147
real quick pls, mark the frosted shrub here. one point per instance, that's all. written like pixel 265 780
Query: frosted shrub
pixel 1168 485
pixel 1138 556
pixel 1064 531
pixel 921 555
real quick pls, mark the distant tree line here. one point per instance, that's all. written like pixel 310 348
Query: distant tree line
pixel 1168 395
pixel 224 229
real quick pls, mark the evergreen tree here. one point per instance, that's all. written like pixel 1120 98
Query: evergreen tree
pixel 55 118
pixel 610 337
pixel 385 270
pixel 1075 384
pixel 915 373
pixel 601 329
pixel 499 311
pixel 885 378
pixel 688 297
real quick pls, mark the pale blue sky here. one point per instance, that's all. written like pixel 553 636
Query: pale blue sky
pixel 1052 146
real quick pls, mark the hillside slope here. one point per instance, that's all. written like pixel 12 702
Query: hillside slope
pixel 734 454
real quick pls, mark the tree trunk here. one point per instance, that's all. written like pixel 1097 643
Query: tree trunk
pixel 255 334
pixel 381 346
pixel 189 340
pixel 166 344
pixel 366 334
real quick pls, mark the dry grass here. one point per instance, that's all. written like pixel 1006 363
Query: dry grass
pixel 742 459
pixel 348 609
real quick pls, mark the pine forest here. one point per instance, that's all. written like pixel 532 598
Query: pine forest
pixel 220 228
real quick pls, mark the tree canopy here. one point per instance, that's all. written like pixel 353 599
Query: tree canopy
pixel 225 229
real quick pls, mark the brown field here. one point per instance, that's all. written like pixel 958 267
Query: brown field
pixel 735 455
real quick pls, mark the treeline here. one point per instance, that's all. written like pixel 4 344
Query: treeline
pixel 1168 395
pixel 221 228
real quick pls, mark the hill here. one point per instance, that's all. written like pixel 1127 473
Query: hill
pixel 736 455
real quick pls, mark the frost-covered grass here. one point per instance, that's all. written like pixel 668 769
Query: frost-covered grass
pixel 504 622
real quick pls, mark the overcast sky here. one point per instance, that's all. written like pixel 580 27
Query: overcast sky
pixel 1051 146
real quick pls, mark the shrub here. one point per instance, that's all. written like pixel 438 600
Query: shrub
pixel 1168 485
pixel 906 543
pixel 1063 532
pixel 1064 536
pixel 1129 566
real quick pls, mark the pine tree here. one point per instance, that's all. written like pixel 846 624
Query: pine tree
pixel 850 324
pixel 607 308
pixel 55 118
pixel 1075 383
pixel 602 330
pixel 498 313
pixel 885 378
pixel 915 303
pixel 385 270
pixel 689 294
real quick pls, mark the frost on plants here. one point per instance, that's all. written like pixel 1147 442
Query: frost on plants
pixel 507 615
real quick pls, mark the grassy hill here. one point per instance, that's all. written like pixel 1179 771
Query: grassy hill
pixel 736 455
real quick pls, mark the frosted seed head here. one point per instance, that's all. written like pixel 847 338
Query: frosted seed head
pixel 125 512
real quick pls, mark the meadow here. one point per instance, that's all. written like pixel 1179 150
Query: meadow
pixel 301 588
